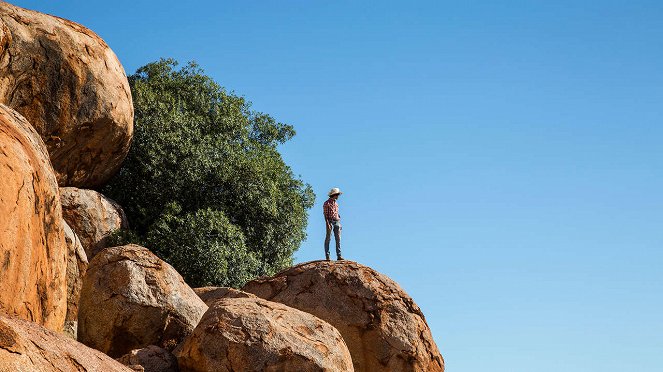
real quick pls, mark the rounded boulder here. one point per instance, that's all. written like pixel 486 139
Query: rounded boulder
pixel 92 216
pixel 26 346
pixel 132 299
pixel 33 252
pixel 382 326
pixel 72 88
pixel 252 334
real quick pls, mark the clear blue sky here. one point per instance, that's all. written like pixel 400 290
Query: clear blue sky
pixel 501 160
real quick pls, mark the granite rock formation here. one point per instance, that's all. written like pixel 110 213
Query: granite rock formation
pixel 92 216
pixel 382 326
pixel 33 252
pixel 71 87
pixel 26 346
pixel 132 299
pixel 252 334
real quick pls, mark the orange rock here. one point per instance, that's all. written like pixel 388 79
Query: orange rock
pixel 25 346
pixel 92 216
pixel 252 334
pixel 71 87
pixel 150 359
pixel 33 252
pixel 383 327
pixel 76 266
pixel 132 299
pixel 211 294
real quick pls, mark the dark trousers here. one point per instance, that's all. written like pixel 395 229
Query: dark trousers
pixel 336 227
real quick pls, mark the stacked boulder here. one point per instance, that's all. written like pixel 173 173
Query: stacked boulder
pixel 92 216
pixel 66 119
pixel 251 334
pixel 132 299
pixel 33 252
pixel 71 87
pixel 383 327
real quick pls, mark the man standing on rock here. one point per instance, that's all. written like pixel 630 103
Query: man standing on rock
pixel 333 222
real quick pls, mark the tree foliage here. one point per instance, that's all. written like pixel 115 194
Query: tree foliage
pixel 204 185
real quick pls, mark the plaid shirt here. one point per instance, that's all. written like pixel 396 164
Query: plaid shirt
pixel 330 210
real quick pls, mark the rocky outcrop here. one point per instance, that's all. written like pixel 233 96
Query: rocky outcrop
pixel 26 346
pixel 382 326
pixel 150 359
pixel 92 216
pixel 252 334
pixel 71 87
pixel 132 299
pixel 33 252
pixel 76 266
pixel 211 294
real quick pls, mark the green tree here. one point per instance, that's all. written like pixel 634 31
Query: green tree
pixel 204 186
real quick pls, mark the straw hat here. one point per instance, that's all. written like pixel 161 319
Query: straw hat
pixel 334 191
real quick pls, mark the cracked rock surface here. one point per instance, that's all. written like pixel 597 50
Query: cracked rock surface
pixel 71 87
pixel 33 252
pixel 26 346
pixel 252 334
pixel 76 267
pixel 382 326
pixel 92 216
pixel 132 299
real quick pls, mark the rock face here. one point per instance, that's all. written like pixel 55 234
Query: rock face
pixel 76 267
pixel 382 326
pixel 211 294
pixel 71 87
pixel 150 359
pixel 33 252
pixel 92 216
pixel 252 334
pixel 25 346
pixel 132 299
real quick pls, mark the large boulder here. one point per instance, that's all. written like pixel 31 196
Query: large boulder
pixel 76 267
pixel 252 334
pixel 92 216
pixel 33 252
pixel 132 299
pixel 382 326
pixel 71 87
pixel 150 359
pixel 26 346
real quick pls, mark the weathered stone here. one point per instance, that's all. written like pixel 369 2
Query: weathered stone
pixel 92 216
pixel 382 326
pixel 132 299
pixel 26 346
pixel 33 253
pixel 252 334
pixel 211 294
pixel 71 87
pixel 150 359
pixel 76 266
